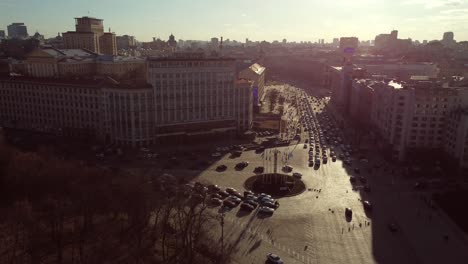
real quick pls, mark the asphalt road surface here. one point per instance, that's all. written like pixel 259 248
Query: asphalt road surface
pixel 312 227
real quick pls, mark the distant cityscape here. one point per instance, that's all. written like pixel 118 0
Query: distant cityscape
pixel 94 83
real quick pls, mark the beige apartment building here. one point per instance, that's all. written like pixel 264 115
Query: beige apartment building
pixel 255 73
pixel 193 92
pixel 414 116
pixel 89 34
pixel 185 97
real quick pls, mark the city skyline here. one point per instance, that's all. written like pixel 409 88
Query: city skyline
pixel 300 20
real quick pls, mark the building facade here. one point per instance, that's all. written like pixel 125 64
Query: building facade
pixel 17 30
pixel 255 73
pixel 413 116
pixel 193 92
pixel 89 34
pixel 456 138
pixel 185 96
pixel 125 42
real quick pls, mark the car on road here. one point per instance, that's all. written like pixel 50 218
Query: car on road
pixel 348 212
pixel 216 195
pixel 271 204
pixel 266 210
pixel 274 259
pixel 260 196
pixel 221 168
pixel 248 193
pixel 287 168
pixel 213 188
pixel 216 201
pixel 229 203
pixel 266 200
pixel 242 165
pixel 252 203
pixel 223 194
pixel 367 205
pixel 230 190
pixel 246 207
pixel 237 194
pixel 259 169
pixel 297 175
pixel 234 199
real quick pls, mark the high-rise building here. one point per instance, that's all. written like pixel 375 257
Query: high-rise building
pixel 256 74
pixel 17 30
pixel 125 42
pixel 2 34
pixel 172 42
pixel 214 44
pixel 448 39
pixel 90 35
pixel 336 42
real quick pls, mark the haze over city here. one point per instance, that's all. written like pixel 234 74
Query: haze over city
pixel 296 20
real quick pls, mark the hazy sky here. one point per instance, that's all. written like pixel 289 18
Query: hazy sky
pixel 254 19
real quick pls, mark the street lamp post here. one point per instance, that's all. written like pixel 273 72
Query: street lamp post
pixel 221 218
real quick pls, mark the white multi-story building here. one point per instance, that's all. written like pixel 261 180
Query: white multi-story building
pixel 193 92
pixel 187 97
pixel 255 73
pixel 413 116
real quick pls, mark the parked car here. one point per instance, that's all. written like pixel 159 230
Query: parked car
pixel 259 169
pixel 223 194
pixel 247 207
pixel 230 190
pixel 237 194
pixel 348 212
pixel 213 188
pixel 248 193
pixel 367 205
pixel 229 203
pixel 221 168
pixel 270 204
pixel 274 259
pixel 216 201
pixel 287 168
pixel 242 165
pixel 252 203
pixel 266 210
pixel 297 175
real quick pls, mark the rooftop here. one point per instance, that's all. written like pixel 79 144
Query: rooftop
pixel 395 84
pixel 257 68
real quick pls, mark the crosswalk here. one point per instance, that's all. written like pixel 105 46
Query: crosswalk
pixel 264 237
